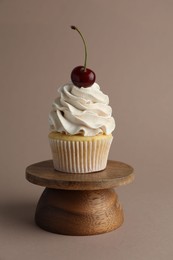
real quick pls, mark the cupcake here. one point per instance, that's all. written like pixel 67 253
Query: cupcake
pixel 81 124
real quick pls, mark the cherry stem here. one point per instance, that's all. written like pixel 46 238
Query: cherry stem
pixel 85 47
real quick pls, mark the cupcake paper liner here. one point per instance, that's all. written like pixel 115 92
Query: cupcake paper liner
pixel 80 156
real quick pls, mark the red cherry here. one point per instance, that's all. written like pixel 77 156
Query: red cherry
pixel 82 77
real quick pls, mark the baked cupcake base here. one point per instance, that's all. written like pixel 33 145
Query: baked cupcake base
pixel 79 154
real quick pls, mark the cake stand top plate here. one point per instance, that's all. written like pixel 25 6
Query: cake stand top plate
pixel 44 174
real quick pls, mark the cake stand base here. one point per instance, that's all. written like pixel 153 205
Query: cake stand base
pixel 76 212
pixel 79 204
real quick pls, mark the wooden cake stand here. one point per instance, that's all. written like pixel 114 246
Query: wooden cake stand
pixel 78 203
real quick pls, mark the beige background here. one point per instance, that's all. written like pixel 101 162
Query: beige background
pixel 130 45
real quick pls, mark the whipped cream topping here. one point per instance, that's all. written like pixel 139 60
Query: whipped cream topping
pixel 84 111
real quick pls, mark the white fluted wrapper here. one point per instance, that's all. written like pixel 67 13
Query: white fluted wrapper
pixel 80 156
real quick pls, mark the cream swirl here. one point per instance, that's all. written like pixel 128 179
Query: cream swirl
pixel 84 111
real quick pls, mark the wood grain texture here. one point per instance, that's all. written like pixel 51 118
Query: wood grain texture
pixel 79 212
pixel 78 203
pixel 44 174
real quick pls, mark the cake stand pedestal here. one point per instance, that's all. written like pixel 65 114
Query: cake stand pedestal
pixel 78 203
